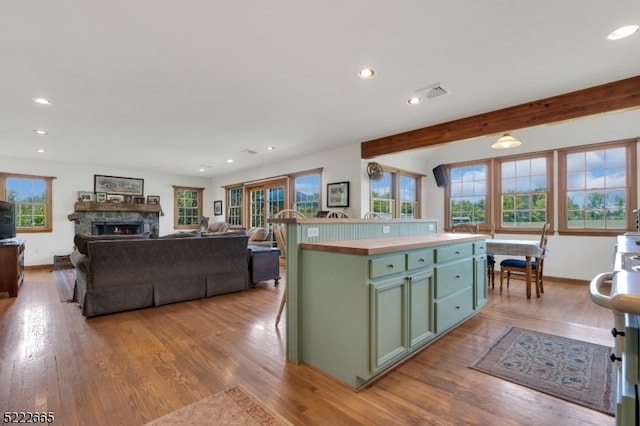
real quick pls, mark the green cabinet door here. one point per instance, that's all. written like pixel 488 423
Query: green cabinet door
pixel 420 308
pixel 480 281
pixel 388 321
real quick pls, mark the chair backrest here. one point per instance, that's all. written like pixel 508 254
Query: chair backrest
pixel 336 214
pixel 471 228
pixel 372 215
pixel 280 229
pixel 544 237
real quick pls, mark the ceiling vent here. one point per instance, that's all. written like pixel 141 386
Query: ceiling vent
pixel 433 91
pixel 248 151
pixel 437 90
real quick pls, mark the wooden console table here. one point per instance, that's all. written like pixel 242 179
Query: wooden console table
pixel 11 266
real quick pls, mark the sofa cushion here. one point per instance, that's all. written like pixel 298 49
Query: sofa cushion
pixel 81 240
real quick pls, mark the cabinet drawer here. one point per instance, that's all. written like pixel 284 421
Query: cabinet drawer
pixel 453 277
pixel 479 247
pixel 387 265
pixel 419 258
pixel 458 251
pixel 453 309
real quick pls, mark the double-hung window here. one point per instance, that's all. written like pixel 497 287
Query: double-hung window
pixel 188 207
pixel 306 199
pixel 525 188
pixel 396 194
pixel 468 193
pixel 32 195
pixel 598 188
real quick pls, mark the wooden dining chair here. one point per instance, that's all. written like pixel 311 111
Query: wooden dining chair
pixel 517 267
pixel 280 232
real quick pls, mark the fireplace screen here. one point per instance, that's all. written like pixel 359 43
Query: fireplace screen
pixel 117 228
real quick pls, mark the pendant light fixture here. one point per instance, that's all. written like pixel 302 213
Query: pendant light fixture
pixel 506 141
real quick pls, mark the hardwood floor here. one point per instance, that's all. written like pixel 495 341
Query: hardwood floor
pixel 133 367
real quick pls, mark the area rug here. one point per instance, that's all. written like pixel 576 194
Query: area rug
pixel 235 406
pixel 65 282
pixel 569 369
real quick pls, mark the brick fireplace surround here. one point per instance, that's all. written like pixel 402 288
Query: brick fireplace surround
pixel 98 218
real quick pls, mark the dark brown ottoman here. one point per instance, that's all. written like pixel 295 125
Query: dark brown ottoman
pixel 264 265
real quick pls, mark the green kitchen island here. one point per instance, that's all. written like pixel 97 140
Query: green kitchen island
pixel 366 304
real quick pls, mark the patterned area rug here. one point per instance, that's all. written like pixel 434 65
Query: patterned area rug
pixel 65 281
pixel 575 371
pixel 235 406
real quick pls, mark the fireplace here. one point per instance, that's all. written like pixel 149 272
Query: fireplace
pixel 116 228
pixel 116 218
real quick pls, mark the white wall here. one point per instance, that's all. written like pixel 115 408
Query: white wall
pixel 71 178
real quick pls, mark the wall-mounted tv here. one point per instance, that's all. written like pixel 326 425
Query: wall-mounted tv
pixel 7 220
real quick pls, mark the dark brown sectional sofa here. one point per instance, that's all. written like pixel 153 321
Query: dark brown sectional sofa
pixel 131 272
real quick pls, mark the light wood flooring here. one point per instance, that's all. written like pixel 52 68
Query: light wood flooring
pixel 133 367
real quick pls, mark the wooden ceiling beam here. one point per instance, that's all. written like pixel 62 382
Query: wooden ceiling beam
pixel 619 95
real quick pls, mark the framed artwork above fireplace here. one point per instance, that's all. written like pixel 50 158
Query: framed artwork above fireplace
pixel 118 185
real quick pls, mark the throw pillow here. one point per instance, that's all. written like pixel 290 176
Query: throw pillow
pixel 258 234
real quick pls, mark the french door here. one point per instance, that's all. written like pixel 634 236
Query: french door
pixel 265 200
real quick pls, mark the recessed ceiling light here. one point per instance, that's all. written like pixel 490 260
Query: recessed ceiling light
pixel 230 160
pixel 415 100
pixel 40 150
pixel 623 32
pixel 40 132
pixel 271 148
pixel 366 73
pixel 43 101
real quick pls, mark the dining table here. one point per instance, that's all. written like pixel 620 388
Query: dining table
pixel 528 249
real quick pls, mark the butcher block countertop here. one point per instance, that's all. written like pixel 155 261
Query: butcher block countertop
pixel 373 246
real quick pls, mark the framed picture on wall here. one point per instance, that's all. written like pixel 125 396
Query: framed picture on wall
pixel 217 207
pixel 338 194
pixel 118 185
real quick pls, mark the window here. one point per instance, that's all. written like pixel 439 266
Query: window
pixel 234 203
pixel 32 195
pixel 382 196
pixel 467 193
pixel 408 197
pixel 396 194
pixel 598 188
pixel 188 207
pixel 524 187
pixel 307 194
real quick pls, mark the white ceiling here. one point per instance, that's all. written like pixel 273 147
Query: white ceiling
pixel 167 86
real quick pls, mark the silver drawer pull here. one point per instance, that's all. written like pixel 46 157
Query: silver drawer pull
pixel 421 260
pixel 390 266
